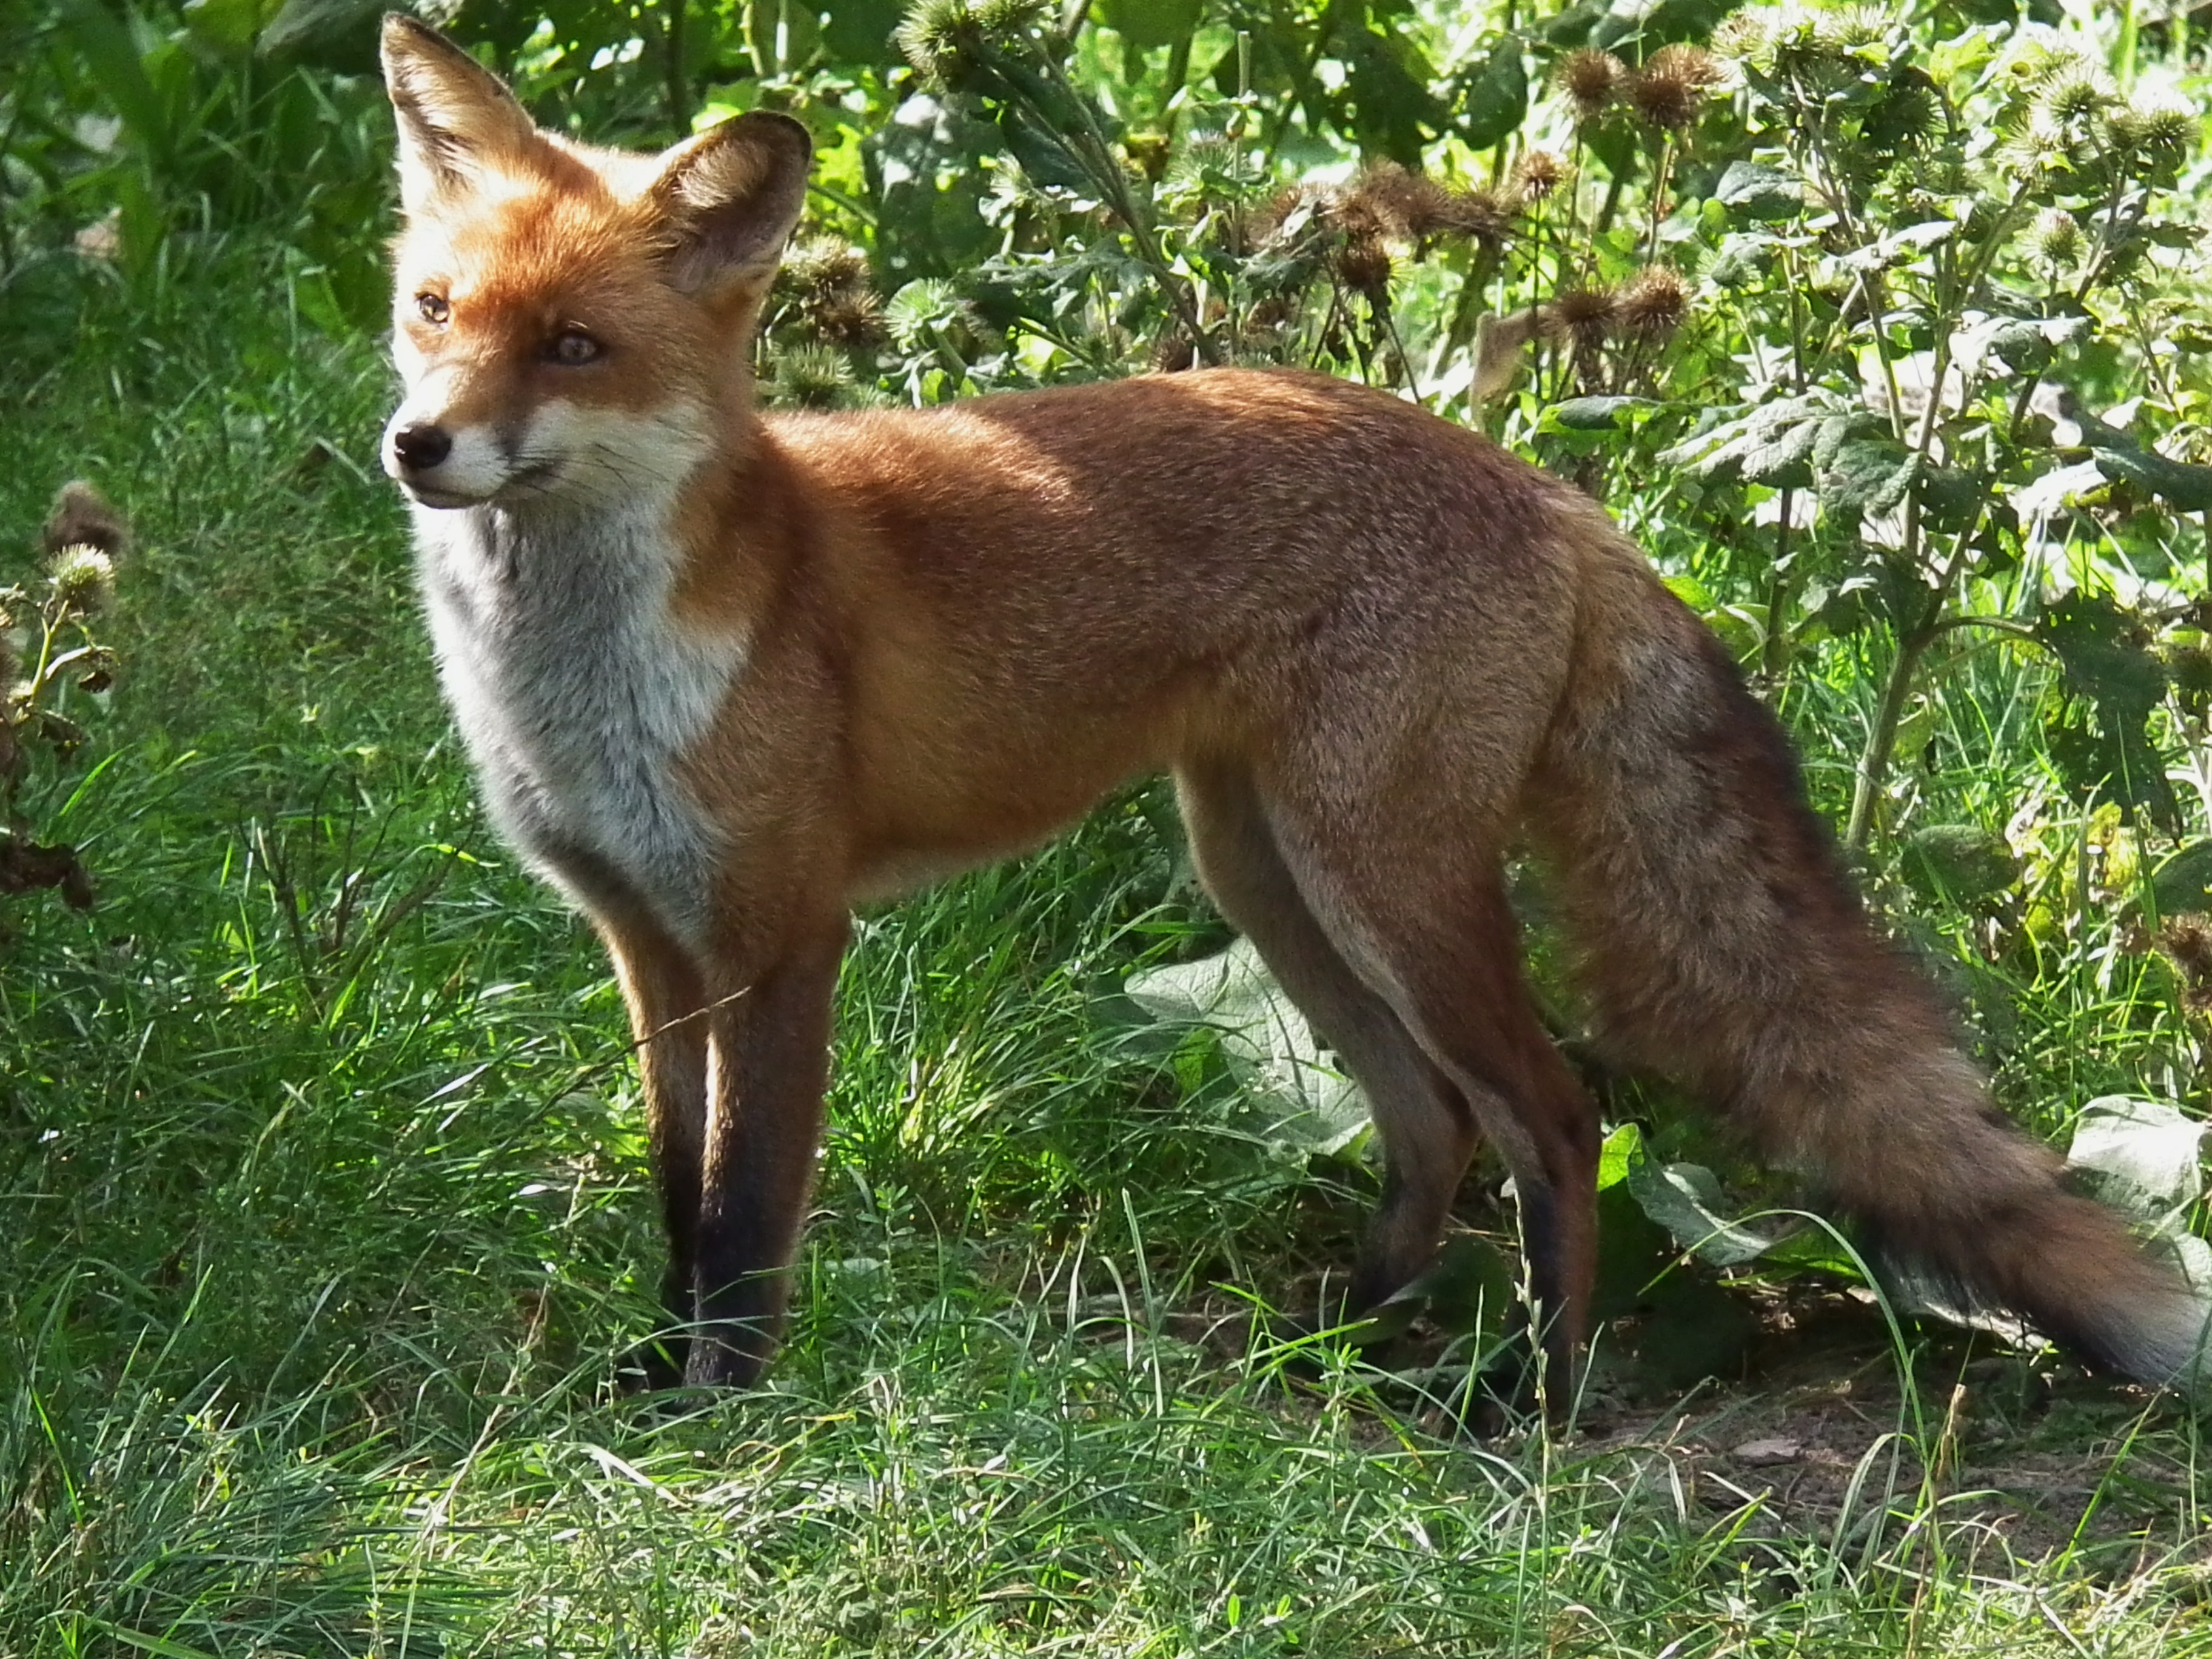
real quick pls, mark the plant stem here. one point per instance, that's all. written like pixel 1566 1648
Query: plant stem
pixel 678 77
pixel 1881 741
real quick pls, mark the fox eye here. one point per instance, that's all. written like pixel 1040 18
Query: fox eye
pixel 432 308
pixel 573 346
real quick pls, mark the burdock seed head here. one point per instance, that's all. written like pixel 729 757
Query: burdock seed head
pixel 1653 304
pixel 1007 19
pixel 1536 175
pixel 940 38
pixel 820 266
pixel 1592 78
pixel 1362 265
pixel 1400 203
pixel 809 377
pixel 1669 91
pixel 1475 215
pixel 2155 140
pixel 2186 942
pixel 1584 315
pixel 83 579
pixel 2056 236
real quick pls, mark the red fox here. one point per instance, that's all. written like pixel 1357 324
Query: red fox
pixel 724 675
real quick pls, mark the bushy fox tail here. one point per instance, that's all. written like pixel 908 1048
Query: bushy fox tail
pixel 1723 944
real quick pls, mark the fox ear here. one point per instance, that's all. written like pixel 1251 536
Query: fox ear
pixel 455 118
pixel 732 196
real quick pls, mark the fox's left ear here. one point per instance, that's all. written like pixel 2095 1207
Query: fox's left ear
pixel 456 121
pixel 732 196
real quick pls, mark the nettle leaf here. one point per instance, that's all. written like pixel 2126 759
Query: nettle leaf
pixel 1866 475
pixel 1762 194
pixel 1963 861
pixel 2142 1155
pixel 1768 443
pixel 1494 95
pixel 2106 662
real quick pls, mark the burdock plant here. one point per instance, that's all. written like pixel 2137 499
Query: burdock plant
pixel 47 651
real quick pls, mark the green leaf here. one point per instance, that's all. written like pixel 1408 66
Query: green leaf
pixel 1755 191
pixel 2142 1155
pixel 323 29
pixel 1964 862
pixel 2106 662
pixel 2182 884
pixel 1685 1200
pixel 1866 475
pixel 1147 23
pixel 859 31
pixel 1494 95
pixel 1387 78
pixel 112 56
pixel 1592 414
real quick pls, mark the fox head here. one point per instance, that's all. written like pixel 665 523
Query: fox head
pixel 570 323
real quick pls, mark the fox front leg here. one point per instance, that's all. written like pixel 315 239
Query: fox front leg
pixel 769 1039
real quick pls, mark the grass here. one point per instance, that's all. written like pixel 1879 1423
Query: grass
pixel 326 1217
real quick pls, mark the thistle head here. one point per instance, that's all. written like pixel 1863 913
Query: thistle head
pixel 1592 79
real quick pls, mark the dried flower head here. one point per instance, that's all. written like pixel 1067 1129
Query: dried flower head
pixel 1653 304
pixel 2186 943
pixel 2056 237
pixel 81 516
pixel 83 579
pixel 1173 353
pixel 1585 315
pixel 1592 78
pixel 2189 669
pixel 820 266
pixel 1362 265
pixel 1669 91
pixel 1393 201
pixel 1536 175
pixel 1475 215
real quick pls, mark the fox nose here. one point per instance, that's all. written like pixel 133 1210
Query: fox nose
pixel 422 446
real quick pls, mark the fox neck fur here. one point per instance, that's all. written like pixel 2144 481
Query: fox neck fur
pixel 577 690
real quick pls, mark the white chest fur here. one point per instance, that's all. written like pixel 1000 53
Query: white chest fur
pixel 577 694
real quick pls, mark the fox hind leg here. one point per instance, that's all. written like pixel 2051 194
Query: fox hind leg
pixel 1424 923
pixel 1426 1127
